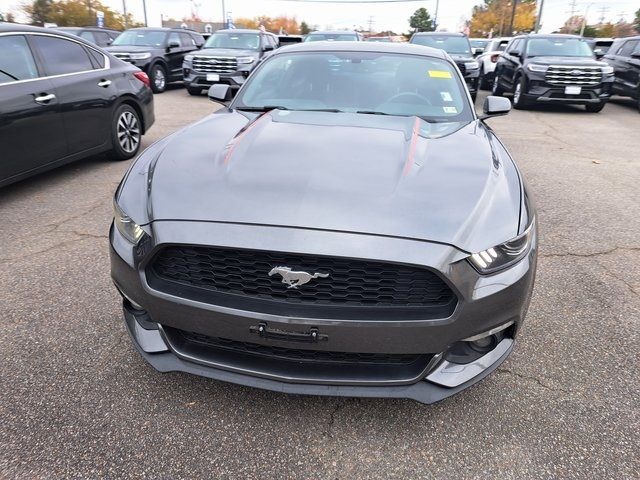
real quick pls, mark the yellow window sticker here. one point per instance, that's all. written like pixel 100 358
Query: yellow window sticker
pixel 450 109
pixel 439 74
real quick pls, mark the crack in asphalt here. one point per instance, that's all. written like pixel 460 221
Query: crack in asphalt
pixel 79 237
pixel 587 255
pixel 535 380
pixel 340 403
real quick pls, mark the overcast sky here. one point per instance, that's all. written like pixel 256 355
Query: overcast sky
pixel 386 16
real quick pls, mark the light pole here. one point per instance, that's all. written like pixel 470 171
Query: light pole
pixel 584 19
pixel 435 17
pixel 144 8
pixel 539 17
pixel 124 12
pixel 224 16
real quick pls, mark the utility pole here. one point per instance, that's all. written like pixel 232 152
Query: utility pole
pixel 124 13
pixel 435 17
pixel 539 17
pixel 224 16
pixel 514 4
pixel 370 24
pixel 144 8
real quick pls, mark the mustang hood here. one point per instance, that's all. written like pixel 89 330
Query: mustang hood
pixel 381 175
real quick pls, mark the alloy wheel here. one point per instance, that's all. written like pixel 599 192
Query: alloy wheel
pixel 128 132
pixel 517 93
pixel 159 79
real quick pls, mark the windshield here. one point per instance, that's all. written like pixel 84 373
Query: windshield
pixel 378 39
pixel 360 82
pixel 558 47
pixel 331 37
pixel 141 38
pixel 478 43
pixel 458 45
pixel 239 41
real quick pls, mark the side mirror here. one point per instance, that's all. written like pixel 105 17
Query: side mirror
pixel 495 107
pixel 635 55
pixel 268 48
pixel 478 51
pixel 173 44
pixel 219 92
pixel 598 53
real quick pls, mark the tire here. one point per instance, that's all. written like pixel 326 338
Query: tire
pixel 194 91
pixel 483 83
pixel 519 102
pixel 594 107
pixel 158 78
pixel 496 89
pixel 126 133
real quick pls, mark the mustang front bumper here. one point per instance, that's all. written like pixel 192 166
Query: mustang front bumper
pixel 158 322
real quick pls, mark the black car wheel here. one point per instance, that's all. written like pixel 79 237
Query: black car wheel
pixel 497 89
pixel 158 77
pixel 594 107
pixel 519 100
pixel 194 91
pixel 126 133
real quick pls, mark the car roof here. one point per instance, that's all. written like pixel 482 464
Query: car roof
pixel 440 34
pixel 19 28
pixel 334 32
pixel 241 30
pixel 375 47
pixel 548 35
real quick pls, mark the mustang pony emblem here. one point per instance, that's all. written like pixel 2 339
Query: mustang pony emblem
pixel 295 279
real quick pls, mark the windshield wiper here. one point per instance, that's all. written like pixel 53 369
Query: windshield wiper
pixel 266 108
pixel 375 112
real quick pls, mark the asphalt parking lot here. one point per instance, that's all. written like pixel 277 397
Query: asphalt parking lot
pixel 78 401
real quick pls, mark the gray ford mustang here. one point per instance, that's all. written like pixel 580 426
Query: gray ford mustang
pixel 346 226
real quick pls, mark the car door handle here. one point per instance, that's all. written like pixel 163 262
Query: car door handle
pixel 45 98
pixel 104 83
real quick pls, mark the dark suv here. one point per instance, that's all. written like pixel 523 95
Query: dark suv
pixel 157 51
pixel 459 49
pixel 624 58
pixel 227 57
pixel 553 69
pixel 103 37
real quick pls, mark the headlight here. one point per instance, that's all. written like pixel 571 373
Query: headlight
pixel 140 56
pixel 608 70
pixel 471 65
pixel 188 58
pixel 245 60
pixel 127 227
pixel 505 254
pixel 534 67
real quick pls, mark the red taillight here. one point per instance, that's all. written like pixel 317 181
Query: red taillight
pixel 143 77
pixel 494 58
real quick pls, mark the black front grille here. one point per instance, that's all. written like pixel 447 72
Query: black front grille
pixel 240 278
pixel 299 355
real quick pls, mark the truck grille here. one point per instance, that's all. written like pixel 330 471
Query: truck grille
pixel 572 75
pixel 353 288
pixel 215 64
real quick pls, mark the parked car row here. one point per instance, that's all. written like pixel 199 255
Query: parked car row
pixel 62 99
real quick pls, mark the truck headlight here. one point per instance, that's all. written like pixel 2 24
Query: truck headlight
pixel 245 60
pixel 608 70
pixel 127 227
pixel 535 67
pixel 471 65
pixel 139 56
pixel 504 255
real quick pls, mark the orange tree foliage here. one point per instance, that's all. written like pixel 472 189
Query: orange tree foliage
pixel 494 18
pixel 75 13
pixel 288 24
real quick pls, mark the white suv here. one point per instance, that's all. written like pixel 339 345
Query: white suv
pixel 488 60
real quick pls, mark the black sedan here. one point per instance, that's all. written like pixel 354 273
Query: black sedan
pixel 63 99
pixel 347 226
